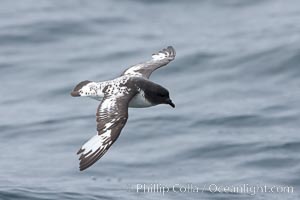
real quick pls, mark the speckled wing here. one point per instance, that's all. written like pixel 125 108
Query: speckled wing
pixel 158 60
pixel 111 117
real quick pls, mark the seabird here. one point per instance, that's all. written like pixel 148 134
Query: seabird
pixel 131 89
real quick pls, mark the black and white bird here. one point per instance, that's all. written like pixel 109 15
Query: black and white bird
pixel 131 89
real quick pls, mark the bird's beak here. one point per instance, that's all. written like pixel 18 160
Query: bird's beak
pixel 169 101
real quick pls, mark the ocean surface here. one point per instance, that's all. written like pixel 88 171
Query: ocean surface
pixel 235 131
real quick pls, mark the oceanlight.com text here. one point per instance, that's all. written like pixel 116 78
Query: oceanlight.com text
pixel 213 188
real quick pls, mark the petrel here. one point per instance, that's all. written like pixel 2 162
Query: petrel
pixel 131 89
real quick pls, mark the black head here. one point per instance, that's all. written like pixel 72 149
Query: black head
pixel 158 95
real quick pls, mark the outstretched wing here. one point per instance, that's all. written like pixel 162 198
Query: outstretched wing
pixel 111 117
pixel 159 59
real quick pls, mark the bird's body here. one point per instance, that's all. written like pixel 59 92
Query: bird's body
pixel 95 91
pixel 131 89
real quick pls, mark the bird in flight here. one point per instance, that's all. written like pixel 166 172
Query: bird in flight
pixel 131 89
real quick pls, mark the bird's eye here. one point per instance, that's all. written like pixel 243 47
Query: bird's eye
pixel 161 95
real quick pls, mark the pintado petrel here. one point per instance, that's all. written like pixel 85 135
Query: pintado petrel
pixel 131 89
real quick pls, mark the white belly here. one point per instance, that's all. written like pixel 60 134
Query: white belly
pixel 139 101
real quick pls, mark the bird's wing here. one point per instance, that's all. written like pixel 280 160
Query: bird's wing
pixel 158 60
pixel 112 114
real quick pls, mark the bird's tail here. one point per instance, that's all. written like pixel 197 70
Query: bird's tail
pixel 77 91
pixel 88 89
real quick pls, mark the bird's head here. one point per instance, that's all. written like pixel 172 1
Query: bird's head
pixel 158 95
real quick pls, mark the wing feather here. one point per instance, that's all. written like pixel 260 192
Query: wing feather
pixel 158 60
pixel 111 117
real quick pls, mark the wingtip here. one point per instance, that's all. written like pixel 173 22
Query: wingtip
pixel 171 50
pixel 81 169
pixel 80 151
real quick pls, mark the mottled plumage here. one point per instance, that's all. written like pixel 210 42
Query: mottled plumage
pixel 131 89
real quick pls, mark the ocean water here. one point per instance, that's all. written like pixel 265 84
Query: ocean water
pixel 235 82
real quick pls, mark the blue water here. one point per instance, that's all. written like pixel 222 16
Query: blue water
pixel 235 82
